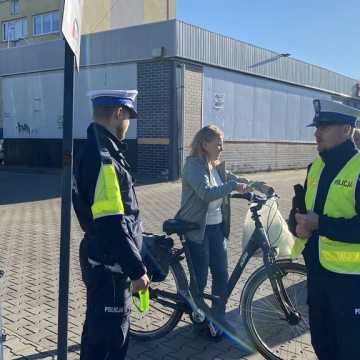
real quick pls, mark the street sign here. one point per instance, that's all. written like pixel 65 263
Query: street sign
pixel 71 26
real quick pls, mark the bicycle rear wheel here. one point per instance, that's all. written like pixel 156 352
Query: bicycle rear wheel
pixel 165 307
pixel 274 337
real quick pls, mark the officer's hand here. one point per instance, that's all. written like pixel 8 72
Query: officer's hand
pixel 140 284
pixel 310 220
pixel 302 232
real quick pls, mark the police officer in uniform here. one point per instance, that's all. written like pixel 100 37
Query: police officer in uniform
pixel 331 228
pixel 106 206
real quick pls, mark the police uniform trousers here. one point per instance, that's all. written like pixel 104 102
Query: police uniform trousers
pixel 106 328
pixel 334 310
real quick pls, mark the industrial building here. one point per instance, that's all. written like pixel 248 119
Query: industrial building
pixel 187 77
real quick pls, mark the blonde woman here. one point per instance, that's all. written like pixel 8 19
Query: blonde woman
pixel 205 200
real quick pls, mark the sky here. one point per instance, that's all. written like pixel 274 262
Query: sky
pixel 320 32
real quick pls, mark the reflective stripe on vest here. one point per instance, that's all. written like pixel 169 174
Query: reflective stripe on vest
pixel 337 256
pixel 107 199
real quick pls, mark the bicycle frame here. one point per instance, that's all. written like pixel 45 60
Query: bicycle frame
pixel 258 240
pixel 192 301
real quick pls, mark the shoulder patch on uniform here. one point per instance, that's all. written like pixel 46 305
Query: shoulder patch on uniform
pixel 105 156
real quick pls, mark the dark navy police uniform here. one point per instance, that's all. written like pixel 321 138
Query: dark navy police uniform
pixel 334 296
pixel 336 330
pixel 107 209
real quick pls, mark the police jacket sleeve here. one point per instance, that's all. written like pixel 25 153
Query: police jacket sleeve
pixel 117 243
pixel 340 229
pixel 120 246
pixel 197 177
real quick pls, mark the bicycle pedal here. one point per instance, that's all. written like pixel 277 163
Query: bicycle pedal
pixel 214 331
pixel 198 317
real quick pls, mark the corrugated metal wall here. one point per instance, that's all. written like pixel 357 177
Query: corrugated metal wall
pixel 254 109
pixel 215 49
pixel 178 39
pixel 33 103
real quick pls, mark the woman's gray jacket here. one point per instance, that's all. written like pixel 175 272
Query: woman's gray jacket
pixel 198 192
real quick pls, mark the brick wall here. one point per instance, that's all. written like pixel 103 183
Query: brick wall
pixel 249 157
pixel 155 111
pixel 153 161
pixel 193 77
pixel 155 107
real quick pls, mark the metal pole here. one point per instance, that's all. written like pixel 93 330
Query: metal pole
pixel 66 204
pixel 2 331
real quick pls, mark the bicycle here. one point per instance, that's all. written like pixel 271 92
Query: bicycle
pixel 273 299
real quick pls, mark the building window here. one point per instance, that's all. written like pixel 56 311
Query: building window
pixel 46 23
pixel 14 7
pixel 15 30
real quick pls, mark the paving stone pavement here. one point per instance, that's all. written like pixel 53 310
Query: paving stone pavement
pixel 29 254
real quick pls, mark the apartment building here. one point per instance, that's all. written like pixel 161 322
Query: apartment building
pixel 27 21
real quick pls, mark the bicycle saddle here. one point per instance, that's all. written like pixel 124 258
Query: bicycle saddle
pixel 180 227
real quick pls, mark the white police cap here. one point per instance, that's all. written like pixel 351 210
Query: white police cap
pixel 115 98
pixel 328 112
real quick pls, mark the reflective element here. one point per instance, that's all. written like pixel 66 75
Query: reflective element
pixel 298 247
pixel 107 200
pixel 141 300
pixel 164 308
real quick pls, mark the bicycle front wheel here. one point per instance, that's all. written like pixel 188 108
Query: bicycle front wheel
pixel 165 307
pixel 273 335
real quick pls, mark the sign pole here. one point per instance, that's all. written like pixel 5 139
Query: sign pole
pixel 71 29
pixel 66 204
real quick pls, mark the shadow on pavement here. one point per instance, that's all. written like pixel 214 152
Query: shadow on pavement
pixel 16 187
pixel 184 343
pixel 47 354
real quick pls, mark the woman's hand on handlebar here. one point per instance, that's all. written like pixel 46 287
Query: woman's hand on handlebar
pixel 242 188
pixel 262 187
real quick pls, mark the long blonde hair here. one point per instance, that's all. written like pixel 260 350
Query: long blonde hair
pixel 206 134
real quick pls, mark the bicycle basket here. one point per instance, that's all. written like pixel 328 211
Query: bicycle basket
pixel 156 253
pixel 275 226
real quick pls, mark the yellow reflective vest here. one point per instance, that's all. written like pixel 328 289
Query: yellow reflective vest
pixel 337 256
pixel 107 197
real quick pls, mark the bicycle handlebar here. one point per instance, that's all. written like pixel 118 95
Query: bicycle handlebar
pixel 252 197
pixel 247 196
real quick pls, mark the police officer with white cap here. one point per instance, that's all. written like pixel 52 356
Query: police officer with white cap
pixel 105 203
pixel 331 228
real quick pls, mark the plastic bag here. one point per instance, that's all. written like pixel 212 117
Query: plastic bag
pixel 275 226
